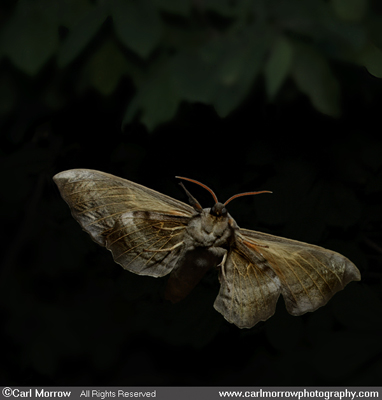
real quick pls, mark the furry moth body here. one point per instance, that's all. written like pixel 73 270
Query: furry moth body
pixel 152 234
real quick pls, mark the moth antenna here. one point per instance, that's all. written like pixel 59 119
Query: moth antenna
pixel 193 202
pixel 202 185
pixel 245 194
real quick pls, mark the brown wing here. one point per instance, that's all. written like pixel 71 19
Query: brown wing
pixel 263 265
pixel 130 220
pixel 249 292
pixel 309 275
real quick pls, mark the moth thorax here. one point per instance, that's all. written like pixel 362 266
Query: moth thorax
pixel 218 210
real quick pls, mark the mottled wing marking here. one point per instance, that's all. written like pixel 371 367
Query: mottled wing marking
pixel 309 275
pixel 128 219
pixel 261 266
pixel 135 241
pixel 250 291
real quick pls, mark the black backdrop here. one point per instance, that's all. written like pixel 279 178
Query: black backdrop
pixel 73 317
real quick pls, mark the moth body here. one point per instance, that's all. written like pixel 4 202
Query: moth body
pixel 206 240
pixel 207 230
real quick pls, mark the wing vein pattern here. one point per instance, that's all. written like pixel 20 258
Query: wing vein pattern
pixel 127 218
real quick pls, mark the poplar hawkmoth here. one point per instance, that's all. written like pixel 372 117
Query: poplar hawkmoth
pixel 152 234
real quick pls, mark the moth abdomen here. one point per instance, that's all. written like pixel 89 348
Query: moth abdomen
pixel 192 266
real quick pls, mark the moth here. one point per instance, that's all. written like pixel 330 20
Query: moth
pixel 152 234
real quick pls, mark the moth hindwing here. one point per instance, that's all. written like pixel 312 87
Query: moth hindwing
pixel 152 234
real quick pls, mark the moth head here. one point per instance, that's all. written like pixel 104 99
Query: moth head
pixel 219 209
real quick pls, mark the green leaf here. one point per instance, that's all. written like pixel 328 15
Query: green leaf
pixel 157 99
pixel 313 76
pixel 30 37
pixel 226 8
pixel 278 66
pixel 106 67
pixel 350 10
pixel 73 11
pixel 371 58
pixel 8 93
pixel 219 73
pixel 175 6
pixel 137 24
pixel 82 34
pixel 193 75
pixel 233 60
pixel 236 78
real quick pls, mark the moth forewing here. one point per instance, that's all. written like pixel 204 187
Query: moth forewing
pixel 130 220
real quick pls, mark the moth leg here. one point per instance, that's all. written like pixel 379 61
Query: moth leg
pixel 222 269
pixel 168 249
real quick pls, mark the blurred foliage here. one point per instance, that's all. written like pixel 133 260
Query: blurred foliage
pixel 210 51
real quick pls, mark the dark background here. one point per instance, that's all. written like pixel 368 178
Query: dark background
pixel 73 317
